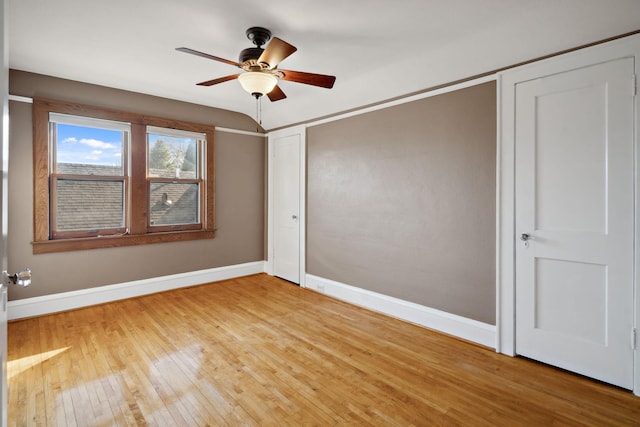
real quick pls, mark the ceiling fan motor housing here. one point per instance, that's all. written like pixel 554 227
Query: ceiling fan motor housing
pixel 259 36
pixel 250 53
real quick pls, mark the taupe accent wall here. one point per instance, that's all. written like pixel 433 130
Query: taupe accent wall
pixel 401 201
pixel 240 196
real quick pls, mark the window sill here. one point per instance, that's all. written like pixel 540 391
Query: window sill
pixel 66 245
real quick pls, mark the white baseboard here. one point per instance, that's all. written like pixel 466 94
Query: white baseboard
pixel 452 324
pixel 47 304
pixel 461 327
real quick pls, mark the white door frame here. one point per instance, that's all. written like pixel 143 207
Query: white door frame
pixel 506 238
pixel 300 130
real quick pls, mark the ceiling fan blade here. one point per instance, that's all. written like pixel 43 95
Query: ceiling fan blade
pixel 320 80
pixel 276 52
pixel 218 80
pixel 276 94
pixel 206 55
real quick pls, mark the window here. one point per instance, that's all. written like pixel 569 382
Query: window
pixel 88 176
pixel 107 178
pixel 173 171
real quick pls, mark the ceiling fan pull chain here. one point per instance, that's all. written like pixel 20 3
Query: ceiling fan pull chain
pixel 259 110
pixel 258 113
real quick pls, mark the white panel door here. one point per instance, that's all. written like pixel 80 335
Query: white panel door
pixel 575 199
pixel 286 208
pixel 4 162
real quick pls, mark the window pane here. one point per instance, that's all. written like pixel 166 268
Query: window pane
pixel 172 156
pixel 174 203
pixel 87 150
pixel 89 205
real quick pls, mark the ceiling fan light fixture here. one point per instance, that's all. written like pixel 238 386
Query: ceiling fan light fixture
pixel 257 83
pixel 260 66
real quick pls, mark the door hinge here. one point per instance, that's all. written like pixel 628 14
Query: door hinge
pixel 634 85
pixel 633 338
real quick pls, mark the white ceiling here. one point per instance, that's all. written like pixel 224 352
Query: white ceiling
pixel 377 49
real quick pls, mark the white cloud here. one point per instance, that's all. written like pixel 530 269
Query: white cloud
pixel 94 143
pixel 75 149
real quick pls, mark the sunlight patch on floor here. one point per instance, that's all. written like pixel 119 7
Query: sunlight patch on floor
pixel 16 367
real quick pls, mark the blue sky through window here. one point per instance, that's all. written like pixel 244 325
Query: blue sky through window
pixel 88 145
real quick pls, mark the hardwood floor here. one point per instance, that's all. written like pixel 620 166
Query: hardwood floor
pixel 259 351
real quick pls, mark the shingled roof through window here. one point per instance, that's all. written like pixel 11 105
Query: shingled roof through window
pixel 85 204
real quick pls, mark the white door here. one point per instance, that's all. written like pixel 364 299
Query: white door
pixel 575 200
pixel 286 150
pixel 4 161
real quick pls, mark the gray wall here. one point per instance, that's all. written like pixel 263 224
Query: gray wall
pixel 240 196
pixel 401 201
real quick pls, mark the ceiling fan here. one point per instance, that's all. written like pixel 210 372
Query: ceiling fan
pixel 261 75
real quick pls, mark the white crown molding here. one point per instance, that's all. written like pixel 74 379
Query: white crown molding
pixel 27 100
pixel 405 99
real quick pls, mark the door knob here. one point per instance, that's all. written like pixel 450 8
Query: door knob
pixel 22 278
pixel 525 238
pixel 294 217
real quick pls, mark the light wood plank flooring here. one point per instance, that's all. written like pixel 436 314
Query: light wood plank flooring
pixel 258 351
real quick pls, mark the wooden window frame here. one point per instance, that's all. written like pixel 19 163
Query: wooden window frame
pixel 138 194
pixel 199 180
